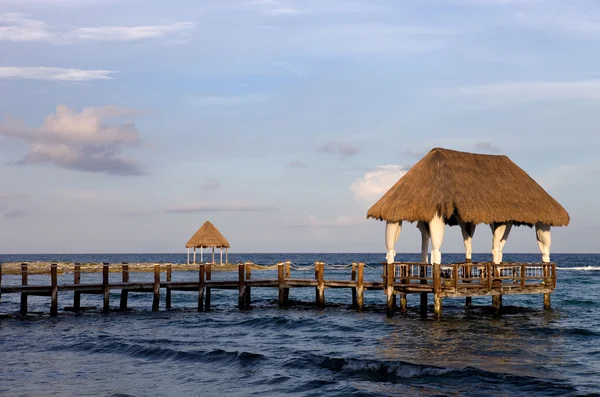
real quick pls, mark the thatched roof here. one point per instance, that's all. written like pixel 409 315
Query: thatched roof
pixel 207 236
pixel 479 188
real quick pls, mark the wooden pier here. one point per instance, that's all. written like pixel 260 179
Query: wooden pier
pixel 442 281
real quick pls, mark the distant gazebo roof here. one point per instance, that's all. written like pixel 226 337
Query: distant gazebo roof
pixel 207 236
pixel 477 188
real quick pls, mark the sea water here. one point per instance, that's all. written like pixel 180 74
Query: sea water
pixel 302 350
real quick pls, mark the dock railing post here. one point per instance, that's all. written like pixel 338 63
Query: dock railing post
pixel 54 291
pixel 523 274
pixel 437 289
pixel 76 280
pixel 360 292
pixel 201 287
pixel 389 290
pixel 124 290
pixel 105 289
pixel 423 300
pixel 288 273
pixel 497 287
pixel 248 288
pixel 156 300
pixel 353 278
pixel 168 293
pixel 320 290
pixel 208 275
pixel 280 283
pixel 242 286
pixel 23 310
pixel 468 273
pixel 403 301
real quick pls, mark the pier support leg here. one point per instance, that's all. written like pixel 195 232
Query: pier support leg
pixel 320 290
pixel 168 293
pixel 248 288
pixel 242 287
pixel 54 293
pixel 23 310
pixel 208 275
pixel 497 299
pixel 390 273
pixel 280 284
pixel 423 300
pixel 124 291
pixel 360 292
pixel 468 301
pixel 201 271
pixel 105 289
pixel 353 278
pixel 287 274
pixel 547 305
pixel 437 306
pixel 77 295
pixel 403 303
pixel 156 298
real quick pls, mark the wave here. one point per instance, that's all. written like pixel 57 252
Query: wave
pixel 580 268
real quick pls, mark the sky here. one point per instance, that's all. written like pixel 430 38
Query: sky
pixel 125 124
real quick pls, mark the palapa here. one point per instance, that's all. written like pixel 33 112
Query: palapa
pixel 208 236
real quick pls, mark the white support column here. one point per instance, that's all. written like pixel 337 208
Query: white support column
pixel 221 255
pixel 188 260
pixel 468 230
pixel 500 232
pixel 436 229
pixel 194 254
pixel 226 255
pixel 544 239
pixel 425 236
pixel 392 232
pixel 213 256
pixel 201 259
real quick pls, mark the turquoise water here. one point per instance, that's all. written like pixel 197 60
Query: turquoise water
pixel 302 350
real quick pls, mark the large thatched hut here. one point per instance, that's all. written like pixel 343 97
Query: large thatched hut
pixel 466 189
pixel 208 236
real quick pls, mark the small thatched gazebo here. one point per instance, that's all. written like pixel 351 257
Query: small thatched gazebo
pixel 208 236
pixel 466 189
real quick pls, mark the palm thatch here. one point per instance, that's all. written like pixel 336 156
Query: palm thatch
pixel 207 236
pixel 478 188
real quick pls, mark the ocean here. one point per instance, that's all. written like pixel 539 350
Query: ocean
pixel 302 350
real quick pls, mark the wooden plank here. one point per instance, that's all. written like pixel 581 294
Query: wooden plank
pixel 156 289
pixel 168 293
pixel 76 280
pixel 23 309
pixel 54 285
pixel 124 292
pixel 105 289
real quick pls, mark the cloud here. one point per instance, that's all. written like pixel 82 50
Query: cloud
pixel 344 149
pixel 21 27
pixel 53 74
pixel 80 141
pixel 297 164
pixel 526 91
pixel 215 100
pixel 16 213
pixel 487 147
pixel 341 221
pixel 374 184
pixel 211 184
pixel 221 207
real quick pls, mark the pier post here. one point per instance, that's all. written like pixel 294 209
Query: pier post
pixel 201 287
pixel 360 292
pixel 248 288
pixel 280 283
pixel 423 297
pixel 437 289
pixel 468 270
pixel 288 273
pixel 389 290
pixel 547 304
pixel 353 278
pixel 168 293
pixel 124 291
pixel 242 286
pixel 23 310
pixel 77 280
pixel 54 291
pixel 208 275
pixel 105 289
pixel 320 290
pixel 156 300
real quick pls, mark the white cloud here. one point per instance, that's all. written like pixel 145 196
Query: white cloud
pixel 344 149
pixel 53 74
pixel 374 184
pixel 79 141
pixel 341 221
pixel 215 100
pixel 21 27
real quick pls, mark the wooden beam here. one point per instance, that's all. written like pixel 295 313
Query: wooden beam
pixel 389 290
pixel 287 275
pixel 168 297
pixel 105 289
pixel 23 310
pixel 207 293
pixel 54 293
pixel 280 283
pixel 423 297
pixel 242 286
pixel 124 291
pixel 201 271
pixel 156 292
pixel 353 278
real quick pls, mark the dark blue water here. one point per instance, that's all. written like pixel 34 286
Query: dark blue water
pixel 301 350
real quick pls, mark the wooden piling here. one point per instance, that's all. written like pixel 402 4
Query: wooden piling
pixel 54 290
pixel 437 289
pixel 124 291
pixel 497 299
pixel 390 273
pixel 281 283
pixel 168 294
pixel 468 269
pixel 77 280
pixel 353 278
pixel 547 304
pixel 105 289
pixel 288 274
pixel 156 297
pixel 320 290
pixel 23 310
pixel 208 275
pixel 423 297
pixel 242 286
pixel 201 271
pixel 248 288
pixel 360 291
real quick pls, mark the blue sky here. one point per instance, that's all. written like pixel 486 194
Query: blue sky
pixel 124 125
